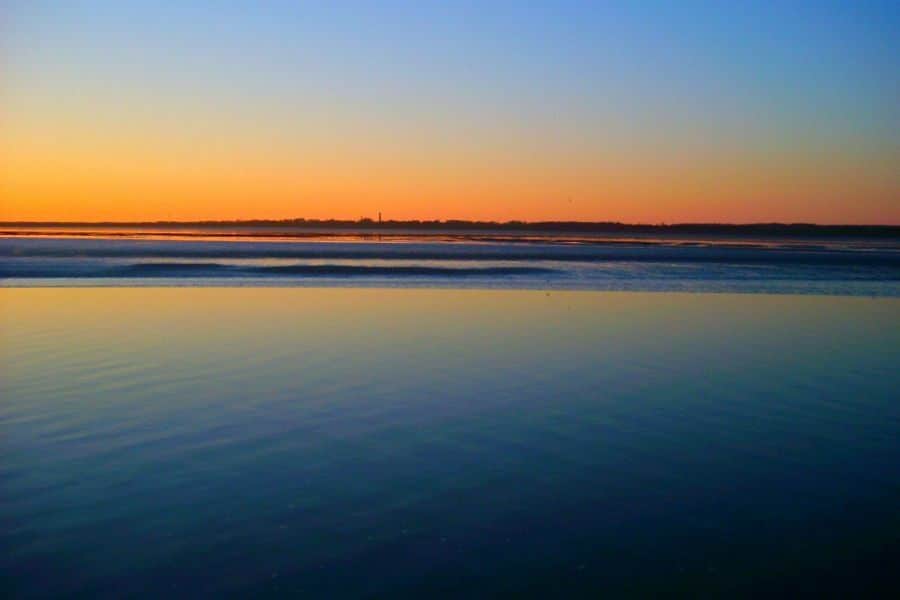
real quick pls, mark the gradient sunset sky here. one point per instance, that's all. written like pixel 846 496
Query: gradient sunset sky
pixel 638 112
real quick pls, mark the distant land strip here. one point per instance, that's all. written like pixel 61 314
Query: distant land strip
pixel 610 227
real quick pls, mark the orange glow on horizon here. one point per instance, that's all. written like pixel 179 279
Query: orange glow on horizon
pixel 79 166
pixel 46 179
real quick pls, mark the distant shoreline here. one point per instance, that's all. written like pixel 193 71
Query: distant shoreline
pixel 536 227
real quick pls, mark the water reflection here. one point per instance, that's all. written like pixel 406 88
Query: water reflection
pixel 373 441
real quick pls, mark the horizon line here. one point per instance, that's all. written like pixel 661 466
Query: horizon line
pixel 511 223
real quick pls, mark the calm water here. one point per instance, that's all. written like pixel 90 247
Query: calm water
pixel 376 442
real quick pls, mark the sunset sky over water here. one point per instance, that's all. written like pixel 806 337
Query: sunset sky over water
pixel 645 112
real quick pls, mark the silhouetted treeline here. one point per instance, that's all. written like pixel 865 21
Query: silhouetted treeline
pixel 602 227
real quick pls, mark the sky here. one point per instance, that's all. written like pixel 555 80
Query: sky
pixel 639 112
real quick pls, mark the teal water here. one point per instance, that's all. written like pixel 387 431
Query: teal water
pixel 375 442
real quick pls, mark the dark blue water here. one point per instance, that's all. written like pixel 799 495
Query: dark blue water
pixel 860 267
pixel 372 442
